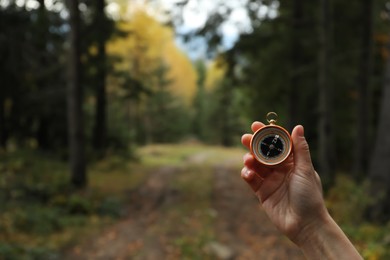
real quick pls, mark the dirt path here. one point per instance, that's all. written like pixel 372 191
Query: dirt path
pixel 154 228
pixel 126 239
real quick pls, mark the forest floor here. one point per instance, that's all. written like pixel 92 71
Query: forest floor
pixel 188 202
pixel 183 201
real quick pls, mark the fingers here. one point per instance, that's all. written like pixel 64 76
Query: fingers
pixel 246 138
pixel 256 126
pixel 301 151
pixel 253 165
pixel 253 180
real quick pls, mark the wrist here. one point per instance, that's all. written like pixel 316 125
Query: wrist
pixel 323 239
pixel 313 229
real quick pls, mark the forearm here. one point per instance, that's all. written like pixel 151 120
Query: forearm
pixel 327 241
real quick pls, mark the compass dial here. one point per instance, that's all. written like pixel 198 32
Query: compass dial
pixel 271 145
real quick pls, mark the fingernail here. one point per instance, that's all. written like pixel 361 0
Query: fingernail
pixel 301 130
pixel 244 158
pixel 249 175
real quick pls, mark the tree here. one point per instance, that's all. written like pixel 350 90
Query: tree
pixel 363 83
pixel 379 170
pixel 151 67
pixel 199 102
pixel 11 67
pixel 324 93
pixel 32 89
pixel 75 99
pixel 3 136
pixel 297 26
pixel 167 118
pixel 100 127
pixel 45 87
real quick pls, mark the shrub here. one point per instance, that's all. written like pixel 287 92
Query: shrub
pixel 347 201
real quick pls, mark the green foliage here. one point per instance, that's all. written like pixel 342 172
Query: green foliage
pixel 276 67
pixel 346 189
pixel 226 120
pixel 11 252
pixel 37 219
pixel 348 202
pixel 166 116
pixel 219 115
pixel 199 103
pixel 110 206
pixel 32 97
pixel 120 132
pixel 37 202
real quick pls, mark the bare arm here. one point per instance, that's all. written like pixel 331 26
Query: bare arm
pixel 325 240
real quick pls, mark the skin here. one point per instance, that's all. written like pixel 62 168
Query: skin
pixel 291 195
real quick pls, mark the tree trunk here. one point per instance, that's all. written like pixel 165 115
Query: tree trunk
pixel 324 121
pixel 297 19
pixel 3 135
pixel 75 99
pixel 379 172
pixel 42 132
pixel 100 128
pixel 363 82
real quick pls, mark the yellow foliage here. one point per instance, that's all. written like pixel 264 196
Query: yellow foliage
pixel 215 73
pixel 148 46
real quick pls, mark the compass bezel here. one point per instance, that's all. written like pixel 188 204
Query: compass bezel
pixel 264 132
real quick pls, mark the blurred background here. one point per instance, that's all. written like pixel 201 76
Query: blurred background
pixel 120 123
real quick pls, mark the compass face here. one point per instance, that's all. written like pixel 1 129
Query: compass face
pixel 271 145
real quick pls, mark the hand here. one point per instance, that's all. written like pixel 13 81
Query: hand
pixel 291 195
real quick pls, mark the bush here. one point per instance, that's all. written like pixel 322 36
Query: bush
pixel 110 206
pixel 79 205
pixel 347 201
pixel 10 252
pixel 38 220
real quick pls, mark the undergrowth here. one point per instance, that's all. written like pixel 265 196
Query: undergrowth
pixel 347 202
pixel 42 215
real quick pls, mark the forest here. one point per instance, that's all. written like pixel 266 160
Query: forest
pixel 121 121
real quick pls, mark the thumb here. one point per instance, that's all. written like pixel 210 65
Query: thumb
pixel 302 159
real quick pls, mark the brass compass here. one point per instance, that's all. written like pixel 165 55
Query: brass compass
pixel 271 145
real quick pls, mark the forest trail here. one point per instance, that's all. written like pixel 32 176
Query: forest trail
pixel 198 209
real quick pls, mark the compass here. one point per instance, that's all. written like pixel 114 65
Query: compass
pixel 271 144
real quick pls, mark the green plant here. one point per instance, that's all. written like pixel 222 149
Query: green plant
pixel 110 206
pixel 37 220
pixel 347 200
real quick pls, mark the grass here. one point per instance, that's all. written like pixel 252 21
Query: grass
pixel 182 155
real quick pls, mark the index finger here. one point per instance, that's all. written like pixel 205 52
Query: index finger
pixel 256 126
pixel 246 138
